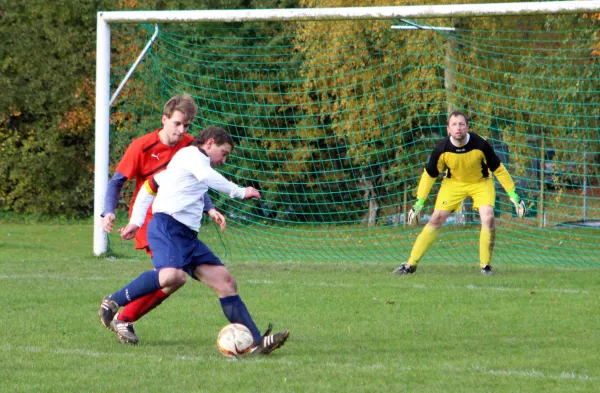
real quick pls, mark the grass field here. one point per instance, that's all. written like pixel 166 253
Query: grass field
pixel 354 327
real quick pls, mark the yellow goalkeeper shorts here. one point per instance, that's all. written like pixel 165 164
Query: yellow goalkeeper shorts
pixel 452 193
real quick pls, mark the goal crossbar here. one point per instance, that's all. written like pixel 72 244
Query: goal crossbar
pixel 422 11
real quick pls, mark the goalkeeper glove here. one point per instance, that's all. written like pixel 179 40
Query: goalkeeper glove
pixel 413 214
pixel 520 207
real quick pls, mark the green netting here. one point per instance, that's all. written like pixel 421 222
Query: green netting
pixel 335 120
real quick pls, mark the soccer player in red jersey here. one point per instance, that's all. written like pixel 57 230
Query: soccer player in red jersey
pixel 146 156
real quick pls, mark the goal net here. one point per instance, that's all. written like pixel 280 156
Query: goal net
pixel 334 119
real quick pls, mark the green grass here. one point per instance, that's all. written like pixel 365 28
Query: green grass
pixel 354 327
pixel 515 240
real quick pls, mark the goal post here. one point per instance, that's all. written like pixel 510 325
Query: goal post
pixel 337 148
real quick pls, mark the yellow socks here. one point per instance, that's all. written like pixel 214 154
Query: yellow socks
pixel 423 242
pixel 486 245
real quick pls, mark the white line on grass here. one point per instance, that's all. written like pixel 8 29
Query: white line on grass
pixel 556 290
pixel 94 354
pixel 7 348
pixel 425 287
pixel 312 284
pixel 53 277
pixel 534 374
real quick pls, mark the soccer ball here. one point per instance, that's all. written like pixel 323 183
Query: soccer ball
pixel 234 339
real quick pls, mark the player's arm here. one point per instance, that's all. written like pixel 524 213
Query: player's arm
pixel 208 204
pixel 218 218
pixel 213 213
pixel 430 174
pixel 113 190
pixel 218 182
pixel 505 179
pixel 126 169
pixel 507 183
pixel 142 203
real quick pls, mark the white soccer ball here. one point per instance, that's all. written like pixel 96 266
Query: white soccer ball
pixel 234 339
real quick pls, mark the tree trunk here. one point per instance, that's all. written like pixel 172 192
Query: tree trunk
pixel 370 197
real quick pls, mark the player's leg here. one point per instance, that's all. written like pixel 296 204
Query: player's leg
pixel 146 283
pixel 167 273
pixel 122 324
pixel 143 305
pixel 449 199
pixel 110 304
pixel 487 239
pixel 166 257
pixel 424 241
pixel 484 195
pixel 218 278
pixel 208 269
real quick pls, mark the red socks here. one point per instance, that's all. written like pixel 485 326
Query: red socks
pixel 141 306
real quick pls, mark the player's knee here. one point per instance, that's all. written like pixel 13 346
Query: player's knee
pixel 180 282
pixel 230 283
pixel 437 219
pixel 170 290
pixel 180 279
pixel 227 286
pixel 488 220
pixel 172 278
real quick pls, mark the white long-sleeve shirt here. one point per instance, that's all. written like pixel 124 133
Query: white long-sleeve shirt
pixel 182 187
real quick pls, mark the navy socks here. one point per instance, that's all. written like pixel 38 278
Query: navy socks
pixel 146 282
pixel 235 310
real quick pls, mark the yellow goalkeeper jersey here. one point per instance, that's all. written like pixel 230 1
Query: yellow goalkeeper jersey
pixel 466 164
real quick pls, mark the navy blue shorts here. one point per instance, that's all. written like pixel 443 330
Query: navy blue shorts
pixel 175 245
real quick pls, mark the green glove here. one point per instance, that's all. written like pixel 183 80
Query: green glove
pixel 514 197
pixel 520 207
pixel 413 214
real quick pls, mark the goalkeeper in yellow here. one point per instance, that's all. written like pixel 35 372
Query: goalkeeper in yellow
pixel 468 161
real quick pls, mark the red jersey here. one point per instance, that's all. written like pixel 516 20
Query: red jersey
pixel 144 157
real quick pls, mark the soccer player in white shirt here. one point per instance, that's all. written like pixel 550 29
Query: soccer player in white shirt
pixel 173 232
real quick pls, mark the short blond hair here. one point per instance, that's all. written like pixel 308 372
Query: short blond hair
pixel 183 103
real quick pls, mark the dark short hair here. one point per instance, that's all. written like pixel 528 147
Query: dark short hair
pixel 457 113
pixel 217 133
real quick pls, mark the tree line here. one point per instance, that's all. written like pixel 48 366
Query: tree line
pixel 47 105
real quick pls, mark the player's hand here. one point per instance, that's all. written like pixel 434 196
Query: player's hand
pixel 413 214
pixel 218 218
pixel 107 222
pixel 129 231
pixel 252 192
pixel 520 207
